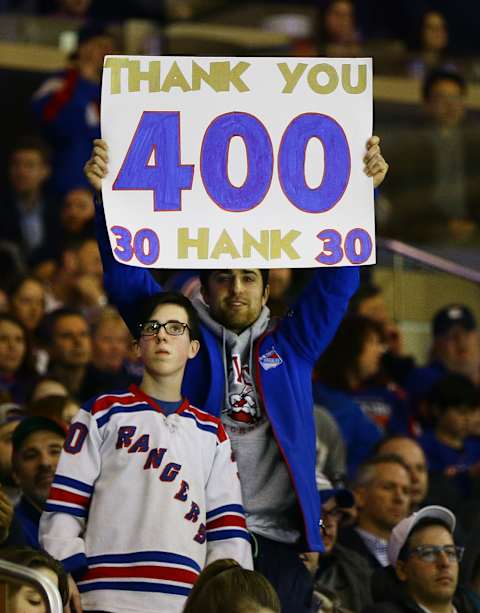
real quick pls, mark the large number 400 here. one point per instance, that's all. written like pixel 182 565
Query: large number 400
pixel 153 161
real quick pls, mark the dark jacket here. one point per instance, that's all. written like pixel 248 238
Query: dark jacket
pixel 349 537
pixel 390 597
pixel 11 226
pixel 345 573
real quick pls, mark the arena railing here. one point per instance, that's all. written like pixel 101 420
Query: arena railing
pixel 13 574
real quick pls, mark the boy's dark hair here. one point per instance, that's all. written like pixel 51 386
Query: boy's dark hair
pixel 453 390
pixel 32 558
pixel 36 144
pixel 204 275
pixel 145 307
pixel 426 522
pixel 442 74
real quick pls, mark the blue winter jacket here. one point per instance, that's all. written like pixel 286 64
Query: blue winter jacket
pixel 283 361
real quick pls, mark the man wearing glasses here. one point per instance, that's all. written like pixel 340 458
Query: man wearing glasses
pixel 146 491
pixel 426 562
pixel 341 576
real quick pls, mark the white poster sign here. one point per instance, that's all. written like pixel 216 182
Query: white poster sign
pixel 238 162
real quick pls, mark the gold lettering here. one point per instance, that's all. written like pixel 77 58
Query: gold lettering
pixel 175 78
pixel 291 78
pixel 185 242
pixel 279 244
pixel 223 245
pixel 235 74
pixel 115 64
pixel 135 76
pixel 217 78
pixel 361 79
pixel 261 246
pixel 331 84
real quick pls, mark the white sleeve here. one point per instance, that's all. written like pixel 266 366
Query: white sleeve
pixel 64 517
pixel 227 534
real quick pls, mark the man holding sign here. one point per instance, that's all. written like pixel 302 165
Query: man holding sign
pixel 257 378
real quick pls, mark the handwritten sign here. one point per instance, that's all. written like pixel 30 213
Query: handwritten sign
pixel 229 162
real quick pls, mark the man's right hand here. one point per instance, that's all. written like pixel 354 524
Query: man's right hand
pixel 97 166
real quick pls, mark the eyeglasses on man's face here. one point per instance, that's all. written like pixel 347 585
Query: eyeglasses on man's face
pixel 430 553
pixel 153 327
pixel 333 515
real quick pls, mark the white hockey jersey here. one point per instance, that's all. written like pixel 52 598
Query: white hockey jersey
pixel 141 502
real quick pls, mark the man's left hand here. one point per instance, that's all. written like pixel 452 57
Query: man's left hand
pixel 375 166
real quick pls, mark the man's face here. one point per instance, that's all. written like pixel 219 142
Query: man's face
pixel 89 261
pixel 235 297
pixel 93 50
pixel 165 355
pixel 455 421
pixel 385 500
pixel 71 343
pixel 446 103
pixel 330 517
pixel 434 31
pixel 110 345
pixel 78 209
pixel 458 349
pixel 429 582
pixel 34 464
pixel 339 20
pixel 28 171
pixel 6 452
pixel 412 454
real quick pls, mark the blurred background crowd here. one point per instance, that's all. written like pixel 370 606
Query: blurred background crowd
pixel 396 393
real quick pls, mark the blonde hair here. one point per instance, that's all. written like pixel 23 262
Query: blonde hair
pixel 225 587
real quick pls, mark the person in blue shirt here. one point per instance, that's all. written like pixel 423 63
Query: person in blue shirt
pixel 455 349
pixel 343 384
pixel 37 444
pixel 449 449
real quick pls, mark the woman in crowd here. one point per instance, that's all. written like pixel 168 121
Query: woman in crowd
pixel 347 383
pixel 17 373
pixel 27 301
pixel 24 598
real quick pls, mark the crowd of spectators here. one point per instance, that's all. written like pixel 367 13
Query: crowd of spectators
pixel 394 439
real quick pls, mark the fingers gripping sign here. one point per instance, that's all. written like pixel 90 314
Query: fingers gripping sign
pixel 199 172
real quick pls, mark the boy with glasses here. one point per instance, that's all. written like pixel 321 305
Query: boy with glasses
pixel 146 492
pixel 426 562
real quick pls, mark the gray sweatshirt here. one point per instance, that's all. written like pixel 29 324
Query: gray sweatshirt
pixel 267 491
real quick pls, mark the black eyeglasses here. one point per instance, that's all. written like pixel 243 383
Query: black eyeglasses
pixel 334 515
pixel 153 327
pixel 430 553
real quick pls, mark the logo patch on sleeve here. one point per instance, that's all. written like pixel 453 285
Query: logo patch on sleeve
pixel 271 359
